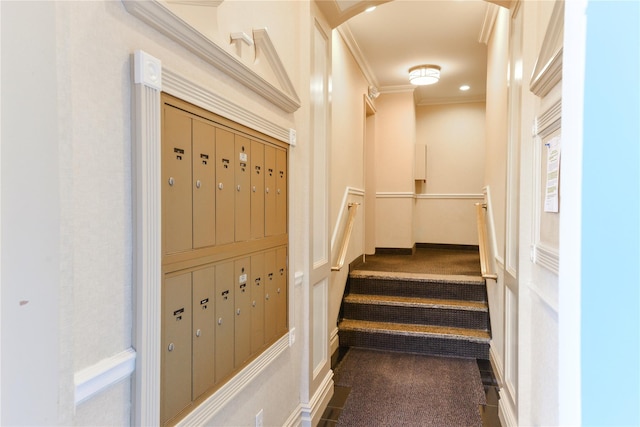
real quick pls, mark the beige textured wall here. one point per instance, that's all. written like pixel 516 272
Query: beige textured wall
pixel 394 162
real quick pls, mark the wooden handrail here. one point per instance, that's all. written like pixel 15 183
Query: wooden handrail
pixel 353 207
pixel 482 242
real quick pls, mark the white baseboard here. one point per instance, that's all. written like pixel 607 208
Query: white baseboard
pixel 334 341
pixel 506 413
pixel 496 363
pixel 295 419
pixel 312 411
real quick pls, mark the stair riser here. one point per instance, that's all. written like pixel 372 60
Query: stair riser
pixel 396 287
pixel 415 344
pixel 417 315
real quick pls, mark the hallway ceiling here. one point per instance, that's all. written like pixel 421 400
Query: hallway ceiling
pixel 403 33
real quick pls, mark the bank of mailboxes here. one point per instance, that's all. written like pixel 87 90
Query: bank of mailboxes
pixel 217 318
pixel 219 186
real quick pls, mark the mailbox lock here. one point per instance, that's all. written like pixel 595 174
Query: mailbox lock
pixel 253 304
pixel 278 191
pixel 171 347
pixel 238 187
pixel 220 186
pixel 198 184
pixel 220 321
pixel 267 297
pixel 198 332
pixel 278 290
pixel 238 312
pixel 254 188
pixel 171 181
pixel 267 189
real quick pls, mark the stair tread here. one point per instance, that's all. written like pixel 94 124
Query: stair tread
pixel 419 302
pixel 416 330
pixel 421 277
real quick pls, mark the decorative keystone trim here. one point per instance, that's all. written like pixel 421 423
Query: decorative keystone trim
pixel 97 378
pixel 159 17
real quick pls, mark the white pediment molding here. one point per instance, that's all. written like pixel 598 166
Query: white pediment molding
pixel 159 17
pixel 548 69
pixel 265 46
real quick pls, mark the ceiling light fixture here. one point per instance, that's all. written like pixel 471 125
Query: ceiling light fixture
pixel 465 87
pixel 370 9
pixel 421 75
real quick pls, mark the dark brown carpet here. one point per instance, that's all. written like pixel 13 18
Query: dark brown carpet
pixel 396 389
pixel 426 260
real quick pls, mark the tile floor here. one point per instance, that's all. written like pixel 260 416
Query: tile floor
pixel 488 412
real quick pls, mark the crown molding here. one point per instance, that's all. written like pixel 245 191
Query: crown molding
pixel 548 69
pixel 159 17
pixel 397 88
pixel 347 36
pixel 490 16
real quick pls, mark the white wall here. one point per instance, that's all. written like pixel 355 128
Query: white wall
pixel 495 177
pixel 66 211
pixel 347 163
pixel 394 162
pixel 455 138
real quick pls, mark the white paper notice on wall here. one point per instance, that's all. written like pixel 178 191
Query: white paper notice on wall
pixel 553 175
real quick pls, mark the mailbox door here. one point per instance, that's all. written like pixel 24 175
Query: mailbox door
pixel 176 181
pixel 225 197
pixel 224 320
pixel 281 192
pixel 203 330
pixel 269 191
pixel 242 311
pixel 176 345
pixel 270 296
pixel 257 302
pixel 204 184
pixel 257 190
pixel 243 187
pixel 281 291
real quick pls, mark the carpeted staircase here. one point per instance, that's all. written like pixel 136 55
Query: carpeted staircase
pixel 434 314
